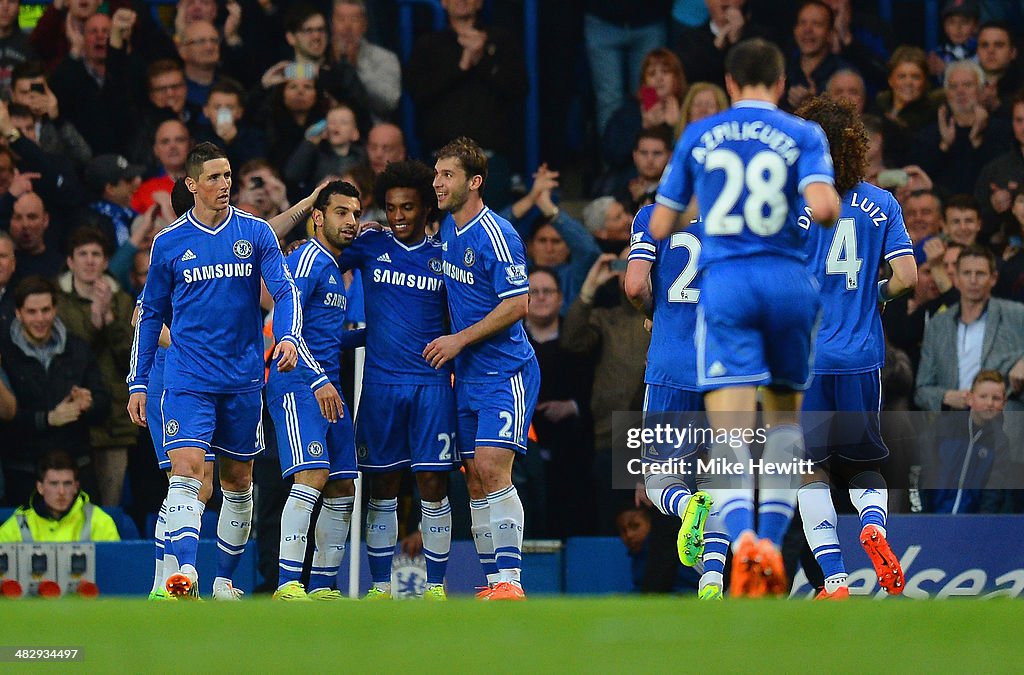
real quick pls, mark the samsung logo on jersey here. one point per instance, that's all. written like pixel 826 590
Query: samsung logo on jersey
pixel 388 276
pixel 756 130
pixel 457 273
pixel 218 271
pixel 335 300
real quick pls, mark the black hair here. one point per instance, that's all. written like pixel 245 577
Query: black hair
pixel 200 155
pixel 755 61
pixel 408 174
pixel 337 187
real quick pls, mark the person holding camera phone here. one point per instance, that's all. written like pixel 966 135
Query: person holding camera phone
pixel 54 134
pixel 225 111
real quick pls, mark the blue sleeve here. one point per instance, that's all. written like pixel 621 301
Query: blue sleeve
pixel 305 283
pixel 641 245
pixel 350 339
pixel 897 240
pixel 508 274
pixel 354 256
pixel 287 307
pixel 676 188
pixel 815 163
pixel 355 308
pixel 154 306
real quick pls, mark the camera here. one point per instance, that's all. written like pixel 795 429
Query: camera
pixel 256 182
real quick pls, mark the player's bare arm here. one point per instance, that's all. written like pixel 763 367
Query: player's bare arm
pixel 903 279
pixel 638 285
pixel 665 221
pixel 443 349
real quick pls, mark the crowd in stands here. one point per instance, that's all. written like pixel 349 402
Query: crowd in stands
pixel 101 104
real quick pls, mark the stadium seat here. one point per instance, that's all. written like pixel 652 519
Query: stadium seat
pixel 125 525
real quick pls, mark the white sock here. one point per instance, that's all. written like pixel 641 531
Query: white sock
pixel 159 530
pixel 436 527
pixel 480 519
pixel 330 536
pixel 184 519
pixel 381 537
pixel 507 519
pixel 667 492
pixel 233 525
pixel 733 494
pixel 872 504
pixel 295 516
pixel 820 528
pixel 777 496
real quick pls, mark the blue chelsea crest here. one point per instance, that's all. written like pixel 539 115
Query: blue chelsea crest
pixel 469 258
pixel 242 249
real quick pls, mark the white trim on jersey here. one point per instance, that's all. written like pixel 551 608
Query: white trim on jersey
pixel 291 423
pixel 519 403
pixel 203 228
pixel 473 221
pixel 670 203
pixel 410 248
pixel 513 292
pixel 323 249
pixel 497 238
pixel 306 260
pixel 899 253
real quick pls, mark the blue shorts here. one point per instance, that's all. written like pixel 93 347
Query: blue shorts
pixel 225 424
pixel 497 413
pixel 679 408
pixel 156 431
pixel 306 440
pixel 756 324
pixel 400 425
pixel 854 434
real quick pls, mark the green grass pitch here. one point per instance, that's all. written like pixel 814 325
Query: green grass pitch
pixel 610 634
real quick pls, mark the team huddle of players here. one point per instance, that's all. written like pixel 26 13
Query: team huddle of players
pixel 433 308
pixel 760 180
pixel 735 296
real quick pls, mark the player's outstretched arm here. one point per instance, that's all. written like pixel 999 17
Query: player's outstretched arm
pixel 823 201
pixel 665 220
pixel 287 305
pixel 445 348
pixel 638 285
pixel 283 223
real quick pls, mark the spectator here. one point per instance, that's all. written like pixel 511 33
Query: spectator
pixel 1010 285
pixel 1003 176
pixel 922 212
pixel 227 127
pixel 997 56
pixel 364 179
pixel 53 134
pixel 331 152
pixel 58 385
pixel 612 333
pixel 963 222
pixel 199 51
pixel 93 97
pixel 171 144
pixel 305 31
pixel 555 240
pixel 703 99
pixel 966 457
pixel 166 98
pixel 849 85
pixel 809 69
pixel 702 49
pixel 28 229
pixel 115 181
pixel 470 80
pixel 651 153
pixel 58 510
pixel 905 108
pixel 139 273
pixel 561 419
pixel 260 186
pixel 608 221
pixel 965 138
pixel 95 309
pixel 293 107
pixel 378 69
pixel 905 317
pixel 960 30
pixel 617 36
pixel 862 40
pixel 7 266
pixel 14 44
pixel 384 144
pixel 942 259
pixel 981 332
pixel 658 102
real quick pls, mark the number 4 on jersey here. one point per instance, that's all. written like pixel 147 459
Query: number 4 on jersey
pixel 842 254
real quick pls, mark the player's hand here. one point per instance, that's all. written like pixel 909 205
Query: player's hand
pixel 556 411
pixel 287 355
pixel 1017 376
pixel 294 246
pixel 956 399
pixel 443 349
pixel 137 408
pixel 330 403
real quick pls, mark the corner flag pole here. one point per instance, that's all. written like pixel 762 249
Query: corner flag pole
pixel 356 529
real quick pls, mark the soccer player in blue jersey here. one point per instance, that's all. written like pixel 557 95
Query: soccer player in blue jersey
pixel 205 270
pixel 314 429
pixel 406 414
pixel 849 352
pixel 496 374
pixel 662 281
pixel 747 168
